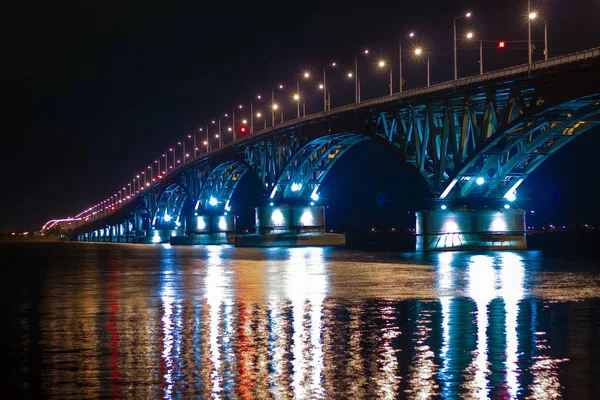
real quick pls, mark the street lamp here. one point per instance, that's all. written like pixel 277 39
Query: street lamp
pixel 259 116
pixel 356 80
pixel 419 52
pixel 273 105
pixel 534 15
pixel 382 65
pixel 297 99
pixel 219 134
pixel 410 35
pixel 252 114
pixel 305 75
pixel 326 104
pixel 171 150
pixel 182 143
pixel 467 15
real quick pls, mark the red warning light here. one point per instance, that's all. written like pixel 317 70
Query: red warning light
pixel 160 177
pixel 502 44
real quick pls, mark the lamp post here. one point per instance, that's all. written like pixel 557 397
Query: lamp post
pixel 219 134
pixel 260 115
pixel 297 99
pixel 305 75
pixel 208 138
pixel 467 15
pixel 410 35
pixel 273 105
pixel 182 143
pixel 533 15
pixel 233 122
pixel 480 57
pixel 326 104
pixel 419 52
pixel 151 173
pixel 252 114
pixel 356 79
pixel 172 151
pixel 382 65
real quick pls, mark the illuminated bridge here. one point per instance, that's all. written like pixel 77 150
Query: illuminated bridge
pixel 473 140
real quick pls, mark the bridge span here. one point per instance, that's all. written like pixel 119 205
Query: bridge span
pixel 474 140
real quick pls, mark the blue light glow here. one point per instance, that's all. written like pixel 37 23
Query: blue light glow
pixel 507 206
pixel 480 180
pixel 212 201
pixel 443 207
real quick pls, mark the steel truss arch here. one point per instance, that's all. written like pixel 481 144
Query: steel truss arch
pixel 305 171
pixel 219 186
pixel 169 207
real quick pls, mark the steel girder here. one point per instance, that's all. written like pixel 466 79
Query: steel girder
pixel 522 146
pixel 169 206
pixel 218 188
pixel 492 133
pixel 269 157
pixel 305 171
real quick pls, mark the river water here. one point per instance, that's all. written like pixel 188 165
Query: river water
pixel 140 321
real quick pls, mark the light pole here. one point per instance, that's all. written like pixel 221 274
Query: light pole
pixel 208 138
pixel 529 30
pixel 219 134
pixel 410 35
pixel 533 15
pixel 305 75
pixel 356 80
pixel 233 122
pixel 419 52
pixel 382 65
pixel 171 150
pixel 467 15
pixel 325 102
pixel 252 114
pixel 151 173
pixel 297 99
pixel 259 115
pixel 480 57
pixel 182 143
pixel 273 105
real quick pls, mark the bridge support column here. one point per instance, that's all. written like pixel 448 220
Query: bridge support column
pixel 466 229
pixel 290 226
pixel 207 229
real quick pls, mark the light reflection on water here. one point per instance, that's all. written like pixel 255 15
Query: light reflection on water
pixel 126 321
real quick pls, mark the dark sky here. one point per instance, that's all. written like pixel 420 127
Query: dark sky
pixel 92 92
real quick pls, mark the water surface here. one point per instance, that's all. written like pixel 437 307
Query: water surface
pixel 138 321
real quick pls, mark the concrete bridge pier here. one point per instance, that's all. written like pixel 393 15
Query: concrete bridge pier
pixel 290 226
pixel 207 229
pixel 471 228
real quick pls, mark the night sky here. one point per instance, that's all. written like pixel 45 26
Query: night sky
pixel 93 92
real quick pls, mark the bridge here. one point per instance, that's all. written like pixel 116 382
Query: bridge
pixel 474 140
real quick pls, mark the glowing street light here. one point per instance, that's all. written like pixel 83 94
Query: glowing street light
pixel 532 16
pixel 382 65
pixel 306 76
pixel 419 52
pixel 273 103
pixel 410 35
pixel 467 15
